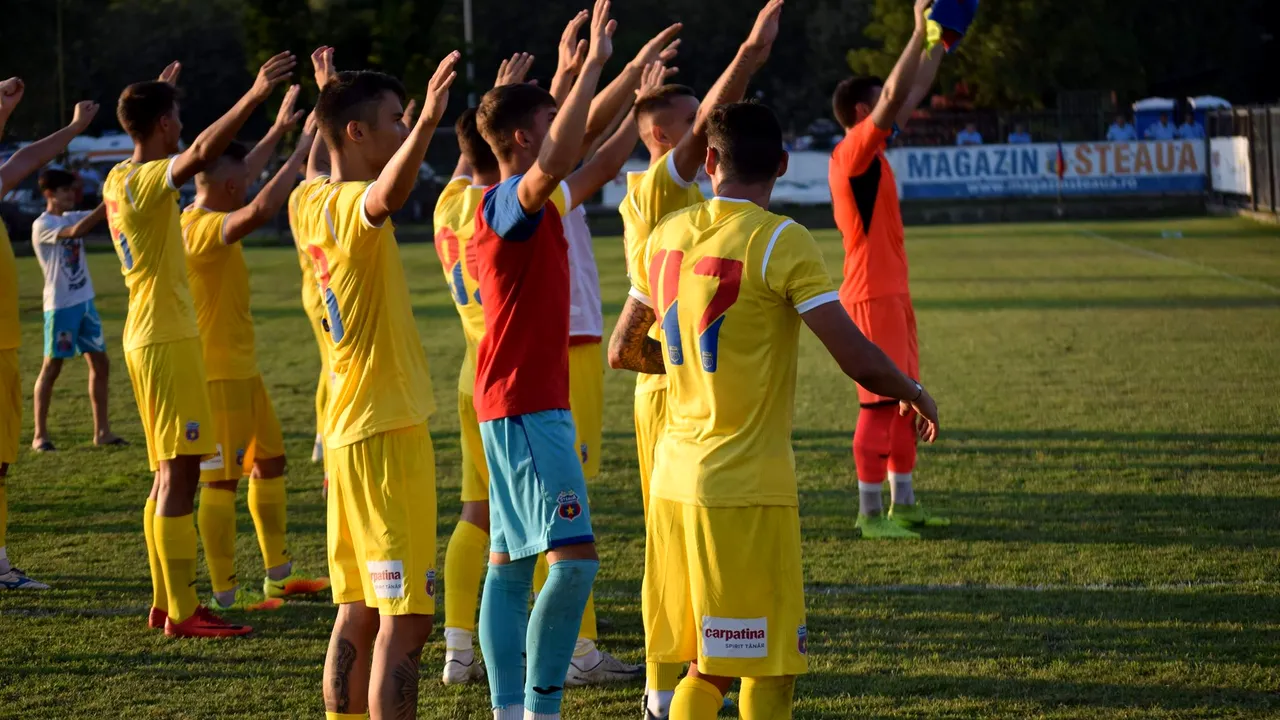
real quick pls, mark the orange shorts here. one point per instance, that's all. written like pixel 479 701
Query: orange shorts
pixel 890 323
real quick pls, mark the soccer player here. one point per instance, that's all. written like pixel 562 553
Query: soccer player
pixel 875 291
pixel 14 170
pixel 245 427
pixel 673 129
pixel 71 322
pixel 378 451
pixel 728 284
pixel 161 336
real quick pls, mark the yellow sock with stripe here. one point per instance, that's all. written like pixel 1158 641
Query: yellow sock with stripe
pixel 216 518
pixel 159 596
pixel 267 506
pixel 589 629
pixel 176 545
pixel 465 563
pixel 766 698
pixel 696 699
pixel 345 716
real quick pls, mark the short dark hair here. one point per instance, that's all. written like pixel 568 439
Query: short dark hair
pixel 503 110
pixel 142 105
pixel 352 96
pixel 56 179
pixel 661 98
pixel 473 145
pixel 849 94
pixel 236 152
pixel 747 138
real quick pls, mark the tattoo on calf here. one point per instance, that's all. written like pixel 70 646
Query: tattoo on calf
pixel 404 682
pixel 344 660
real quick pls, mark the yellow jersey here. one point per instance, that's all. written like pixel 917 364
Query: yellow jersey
pixel 651 196
pixel 455 223
pixel 311 302
pixel 142 215
pixel 10 330
pixel 219 280
pixel 381 378
pixel 728 281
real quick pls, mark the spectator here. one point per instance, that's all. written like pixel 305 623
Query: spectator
pixel 1121 130
pixel 1163 130
pixel 1019 136
pixel 969 135
pixel 1190 129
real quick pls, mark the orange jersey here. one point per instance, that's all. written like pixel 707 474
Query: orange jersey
pixel 864 195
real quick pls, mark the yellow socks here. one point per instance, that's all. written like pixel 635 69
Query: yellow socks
pixel 176 545
pixel 662 676
pixel 766 698
pixel 465 563
pixel 696 699
pixel 159 598
pixel 345 716
pixel 216 518
pixel 588 629
pixel 267 506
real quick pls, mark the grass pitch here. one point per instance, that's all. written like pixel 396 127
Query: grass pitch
pixel 1110 456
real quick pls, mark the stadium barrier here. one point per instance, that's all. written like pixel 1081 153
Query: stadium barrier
pixel 1244 161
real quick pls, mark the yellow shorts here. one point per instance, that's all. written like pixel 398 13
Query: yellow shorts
pixel 475 469
pixel 173 399
pixel 651 421
pixel 382 522
pixel 10 406
pixel 725 587
pixel 245 428
pixel 586 403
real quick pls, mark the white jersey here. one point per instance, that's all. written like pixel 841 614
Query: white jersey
pixel 66 274
pixel 586 315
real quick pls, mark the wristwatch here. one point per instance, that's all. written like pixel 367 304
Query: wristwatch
pixel 919 391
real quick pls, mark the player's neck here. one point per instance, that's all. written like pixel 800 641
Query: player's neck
pixel 515 166
pixel 758 194
pixel 216 202
pixel 152 148
pixel 52 209
pixel 656 152
pixel 347 166
pixel 485 179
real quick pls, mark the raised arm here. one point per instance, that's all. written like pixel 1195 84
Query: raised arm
pixel 630 347
pixel 396 180
pixel 898 87
pixel 210 144
pixel 730 87
pixel 286 118
pixel 10 95
pixel 264 206
pixel 930 59
pixel 85 224
pixel 562 147
pixel 618 95
pixel 604 162
pixel 868 366
pixel 571 55
pixel 510 72
pixel 38 154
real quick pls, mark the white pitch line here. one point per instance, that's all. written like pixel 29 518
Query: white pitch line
pixel 1182 261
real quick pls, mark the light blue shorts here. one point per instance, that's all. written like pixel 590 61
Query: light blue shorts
pixel 70 331
pixel 537 492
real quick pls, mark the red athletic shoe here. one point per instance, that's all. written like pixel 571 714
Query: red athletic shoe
pixel 204 624
pixel 157 618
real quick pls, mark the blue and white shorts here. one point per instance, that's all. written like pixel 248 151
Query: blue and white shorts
pixel 537 492
pixel 70 331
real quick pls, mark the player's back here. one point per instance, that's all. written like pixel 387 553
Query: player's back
pixel 311 301
pixel 728 281
pixel 219 280
pixel 375 352
pixel 142 214
pixel 864 197
pixel 455 224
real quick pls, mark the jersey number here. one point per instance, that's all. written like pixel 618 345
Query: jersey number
pixel 321 265
pixel 126 255
pixel 447 249
pixel 665 266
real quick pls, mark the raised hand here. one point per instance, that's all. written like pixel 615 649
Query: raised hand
pixel 273 72
pixel 310 127
pixel 662 47
pixel 921 11
pixel 438 89
pixel 765 31
pixel 85 111
pixel 322 63
pixel 11 94
pixel 170 73
pixel 653 77
pixel 602 29
pixel 513 71
pixel 407 118
pixel 572 52
pixel 288 116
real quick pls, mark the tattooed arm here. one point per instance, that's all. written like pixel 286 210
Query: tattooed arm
pixel 630 347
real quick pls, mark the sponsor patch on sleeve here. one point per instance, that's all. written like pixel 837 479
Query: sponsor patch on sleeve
pixel 735 637
pixel 387 577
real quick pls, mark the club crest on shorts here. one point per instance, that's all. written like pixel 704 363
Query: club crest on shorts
pixel 802 639
pixel 570 508
pixel 240 456
pixel 431 583
pixel 193 430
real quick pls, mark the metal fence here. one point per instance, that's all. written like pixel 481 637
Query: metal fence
pixel 1261 127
